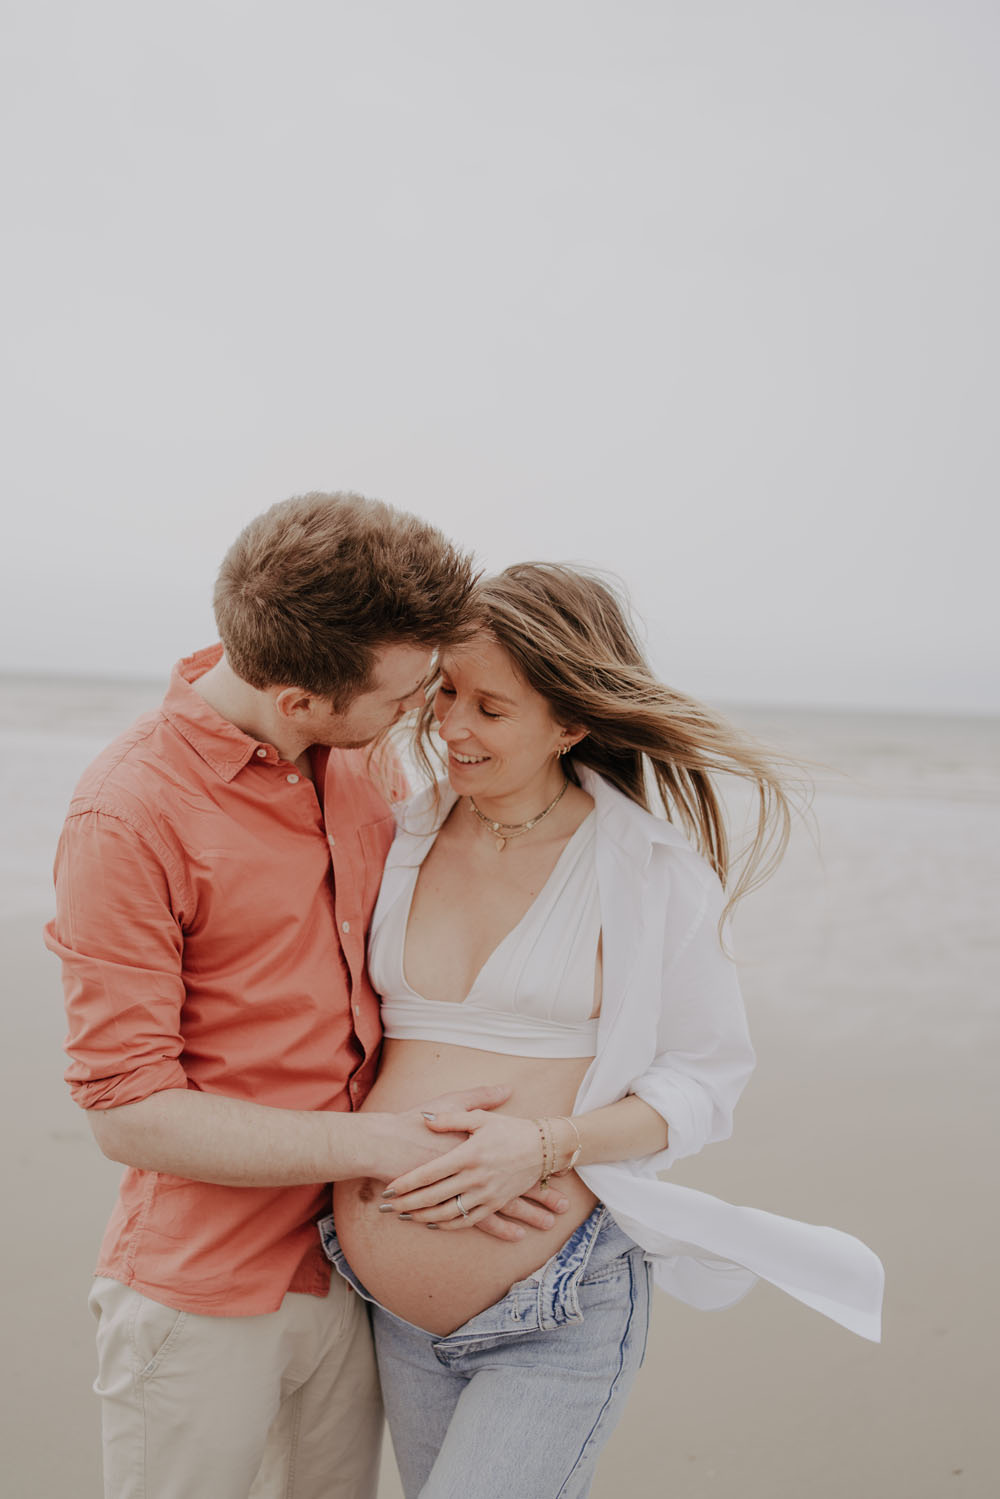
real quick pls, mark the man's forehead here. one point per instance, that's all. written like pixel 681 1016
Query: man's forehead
pixel 401 667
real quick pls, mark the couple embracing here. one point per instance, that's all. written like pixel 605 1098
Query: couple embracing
pixel 490 1014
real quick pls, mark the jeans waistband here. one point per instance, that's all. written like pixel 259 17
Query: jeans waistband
pixel 544 1300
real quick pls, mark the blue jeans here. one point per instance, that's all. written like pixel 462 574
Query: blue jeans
pixel 521 1398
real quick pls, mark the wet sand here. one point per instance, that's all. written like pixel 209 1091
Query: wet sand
pixel 870 973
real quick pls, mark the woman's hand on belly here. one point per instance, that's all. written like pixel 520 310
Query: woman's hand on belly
pixel 500 1162
pixel 410 1135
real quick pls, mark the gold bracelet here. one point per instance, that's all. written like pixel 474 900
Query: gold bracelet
pixel 579 1147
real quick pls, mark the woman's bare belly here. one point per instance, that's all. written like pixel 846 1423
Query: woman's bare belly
pixel 439 1280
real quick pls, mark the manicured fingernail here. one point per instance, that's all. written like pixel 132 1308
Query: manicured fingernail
pixel 385 1207
pixel 405 1217
pixel 428 1116
pixel 432 1225
pixel 389 1192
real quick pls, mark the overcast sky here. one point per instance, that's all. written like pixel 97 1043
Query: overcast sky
pixel 705 293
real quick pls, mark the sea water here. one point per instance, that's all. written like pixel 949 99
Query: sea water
pixel 51 728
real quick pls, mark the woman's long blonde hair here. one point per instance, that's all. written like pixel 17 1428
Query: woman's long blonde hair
pixel 568 635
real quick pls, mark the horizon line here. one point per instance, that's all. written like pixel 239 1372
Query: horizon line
pixel 127 679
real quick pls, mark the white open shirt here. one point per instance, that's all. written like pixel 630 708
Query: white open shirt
pixel 673 1031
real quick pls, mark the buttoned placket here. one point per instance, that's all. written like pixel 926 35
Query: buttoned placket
pixel 291 777
pixel 351 934
pixel 349 948
pixel 346 924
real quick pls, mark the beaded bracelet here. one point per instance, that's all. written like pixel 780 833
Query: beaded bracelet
pixel 548 1153
pixel 549 1149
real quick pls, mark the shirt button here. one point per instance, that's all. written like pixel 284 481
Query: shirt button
pixel 345 926
pixel 262 753
pixel 333 843
pixel 291 779
pixel 357 1009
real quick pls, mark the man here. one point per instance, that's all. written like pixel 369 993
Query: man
pixel 215 879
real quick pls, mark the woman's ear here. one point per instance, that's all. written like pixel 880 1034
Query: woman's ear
pixel 570 734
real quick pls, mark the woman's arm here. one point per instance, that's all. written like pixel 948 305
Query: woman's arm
pixel 682 1098
pixel 703 1057
pixel 505 1155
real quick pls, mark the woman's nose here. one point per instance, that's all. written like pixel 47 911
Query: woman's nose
pixel 450 725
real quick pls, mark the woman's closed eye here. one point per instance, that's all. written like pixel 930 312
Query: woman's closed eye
pixel 445 691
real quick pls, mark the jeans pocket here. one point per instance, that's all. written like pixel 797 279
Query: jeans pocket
pixel 615 1299
pixel 155 1330
pixel 603 1274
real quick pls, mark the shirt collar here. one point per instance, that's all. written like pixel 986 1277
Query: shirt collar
pixel 637 830
pixel 224 748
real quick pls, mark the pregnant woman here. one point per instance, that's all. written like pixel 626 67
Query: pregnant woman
pixel 539 925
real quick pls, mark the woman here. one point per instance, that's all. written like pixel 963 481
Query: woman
pixel 538 924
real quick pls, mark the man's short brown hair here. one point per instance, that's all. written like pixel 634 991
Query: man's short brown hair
pixel 312 588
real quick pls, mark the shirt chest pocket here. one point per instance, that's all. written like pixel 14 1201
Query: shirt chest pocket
pixel 254 888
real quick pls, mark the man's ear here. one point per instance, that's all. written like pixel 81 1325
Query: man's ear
pixel 292 702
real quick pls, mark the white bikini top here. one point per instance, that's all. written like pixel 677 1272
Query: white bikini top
pixel 534 995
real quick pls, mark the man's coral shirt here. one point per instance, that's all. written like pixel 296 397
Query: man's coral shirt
pixel 212 906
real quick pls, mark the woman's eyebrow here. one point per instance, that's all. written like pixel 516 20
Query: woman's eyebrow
pixel 496 697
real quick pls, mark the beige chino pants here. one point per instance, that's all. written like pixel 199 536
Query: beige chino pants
pixel 280 1406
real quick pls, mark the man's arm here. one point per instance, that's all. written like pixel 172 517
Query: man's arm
pixel 235 1143
pixel 121 943
pixel 121 948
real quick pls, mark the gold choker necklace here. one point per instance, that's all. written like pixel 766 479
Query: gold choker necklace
pixel 503 832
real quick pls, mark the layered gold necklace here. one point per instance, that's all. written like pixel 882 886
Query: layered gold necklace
pixel 503 832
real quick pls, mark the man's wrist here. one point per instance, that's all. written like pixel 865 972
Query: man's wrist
pixel 370 1139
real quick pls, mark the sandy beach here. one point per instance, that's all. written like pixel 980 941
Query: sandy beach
pixel 869 967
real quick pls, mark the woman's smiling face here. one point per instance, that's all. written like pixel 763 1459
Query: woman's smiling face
pixel 500 733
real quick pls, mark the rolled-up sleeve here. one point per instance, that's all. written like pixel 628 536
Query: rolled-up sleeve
pixel 703 1052
pixel 121 948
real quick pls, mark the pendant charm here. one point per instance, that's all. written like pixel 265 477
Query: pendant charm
pixel 503 832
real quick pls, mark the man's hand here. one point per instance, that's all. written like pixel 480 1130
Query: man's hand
pixel 535 1208
pixel 403 1141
